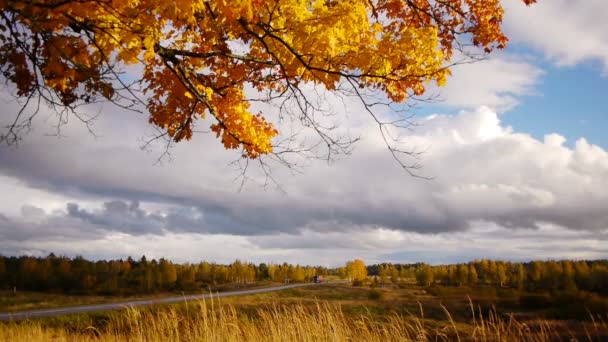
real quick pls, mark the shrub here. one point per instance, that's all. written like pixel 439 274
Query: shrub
pixel 375 295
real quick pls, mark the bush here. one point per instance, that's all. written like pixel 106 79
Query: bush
pixel 535 300
pixel 357 282
pixel 375 295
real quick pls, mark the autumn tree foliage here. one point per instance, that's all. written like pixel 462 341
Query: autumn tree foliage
pixel 356 270
pixel 388 272
pixel 208 61
pixel 533 276
pixel 79 275
pixel 424 275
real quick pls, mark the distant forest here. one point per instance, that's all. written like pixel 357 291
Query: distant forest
pixel 128 276
pixel 110 277
pixel 534 276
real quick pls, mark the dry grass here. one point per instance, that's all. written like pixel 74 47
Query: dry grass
pixel 213 321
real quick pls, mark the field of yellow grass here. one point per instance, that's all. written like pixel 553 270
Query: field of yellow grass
pixel 323 321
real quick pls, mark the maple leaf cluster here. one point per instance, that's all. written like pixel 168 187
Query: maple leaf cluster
pixel 68 52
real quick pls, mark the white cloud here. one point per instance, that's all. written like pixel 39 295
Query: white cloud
pixel 496 82
pixel 567 32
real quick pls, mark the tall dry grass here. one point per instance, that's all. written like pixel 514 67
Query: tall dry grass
pixel 212 321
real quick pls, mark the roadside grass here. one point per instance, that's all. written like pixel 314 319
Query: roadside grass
pixel 28 300
pixel 24 300
pixel 335 312
pixel 323 321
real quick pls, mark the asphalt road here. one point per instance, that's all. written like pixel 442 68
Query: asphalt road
pixel 17 315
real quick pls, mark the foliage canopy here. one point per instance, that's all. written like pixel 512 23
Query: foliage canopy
pixel 196 59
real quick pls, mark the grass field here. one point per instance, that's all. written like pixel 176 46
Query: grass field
pixel 26 300
pixel 324 313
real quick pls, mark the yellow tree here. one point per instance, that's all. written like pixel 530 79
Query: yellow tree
pixel 501 273
pixel 297 274
pixel 520 276
pixel 210 59
pixel 462 274
pixel 424 275
pixel 394 273
pixel 568 282
pixel 356 270
pixel 383 272
pixel 168 273
pixel 473 279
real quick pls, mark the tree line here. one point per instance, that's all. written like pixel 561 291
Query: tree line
pixel 534 276
pixel 125 276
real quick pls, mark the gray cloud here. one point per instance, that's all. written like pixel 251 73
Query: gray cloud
pixel 483 240
pixel 483 171
pixel 120 216
pixel 47 227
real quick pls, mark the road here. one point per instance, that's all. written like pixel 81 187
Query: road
pixel 17 315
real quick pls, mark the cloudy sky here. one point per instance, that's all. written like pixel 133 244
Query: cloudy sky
pixel 516 149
